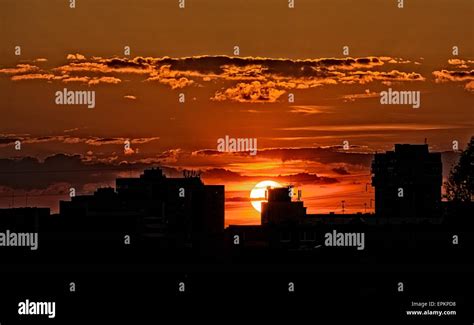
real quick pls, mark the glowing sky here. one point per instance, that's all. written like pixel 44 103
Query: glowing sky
pixel 191 51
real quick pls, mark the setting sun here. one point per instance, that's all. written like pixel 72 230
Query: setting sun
pixel 257 194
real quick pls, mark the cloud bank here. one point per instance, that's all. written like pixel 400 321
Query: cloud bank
pixel 242 79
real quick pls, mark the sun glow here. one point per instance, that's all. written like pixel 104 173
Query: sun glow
pixel 257 194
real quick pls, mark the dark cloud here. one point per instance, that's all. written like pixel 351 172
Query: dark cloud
pixel 30 173
pixel 306 178
pixel 238 199
pixel 447 75
pixel 7 141
pixel 61 171
pixel 222 174
pixel 326 155
pixel 225 175
pixel 340 171
pixel 457 75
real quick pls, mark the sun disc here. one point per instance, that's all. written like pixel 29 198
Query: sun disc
pixel 257 194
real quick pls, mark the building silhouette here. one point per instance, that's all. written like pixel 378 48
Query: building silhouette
pixel 407 184
pixel 167 212
pixel 286 224
pixel 279 208
pixel 23 219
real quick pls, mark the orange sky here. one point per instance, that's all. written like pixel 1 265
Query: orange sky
pixel 191 51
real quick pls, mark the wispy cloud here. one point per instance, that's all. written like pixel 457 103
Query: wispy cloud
pixel 379 127
pixel 6 140
pixel 366 94
pixel 311 109
pixel 20 69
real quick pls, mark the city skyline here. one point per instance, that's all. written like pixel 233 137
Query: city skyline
pixel 286 160
pixel 303 88
pixel 386 169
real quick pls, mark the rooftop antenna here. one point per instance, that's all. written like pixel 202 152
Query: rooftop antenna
pixel 191 173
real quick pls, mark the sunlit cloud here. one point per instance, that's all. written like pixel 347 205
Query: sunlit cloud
pixel 20 69
pixel 311 109
pixel 35 76
pixel 255 92
pixel 75 57
pixel 366 94
pixel 469 86
pixel 6 140
pixel 446 75
pixel 455 76
pixel 243 79
pixel 106 80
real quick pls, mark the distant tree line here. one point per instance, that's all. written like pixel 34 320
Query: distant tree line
pixel 460 184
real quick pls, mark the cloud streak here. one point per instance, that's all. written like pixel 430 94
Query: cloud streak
pixel 242 79
pixel 6 140
pixel 465 75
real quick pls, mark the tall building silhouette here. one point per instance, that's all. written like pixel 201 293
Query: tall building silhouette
pixel 407 184
pixel 280 209
pixel 171 212
pixel 23 219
